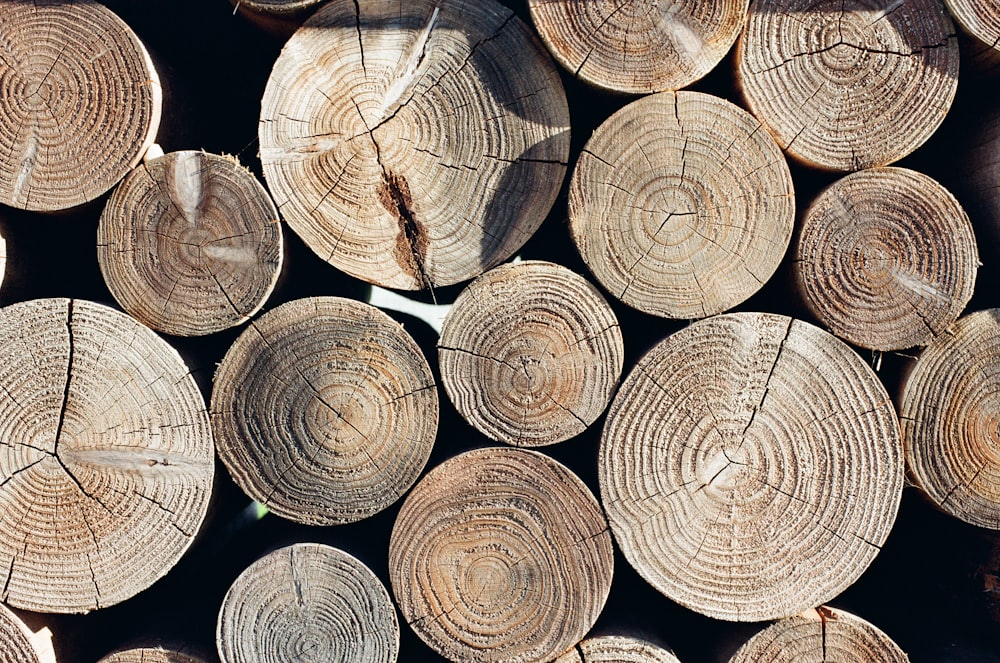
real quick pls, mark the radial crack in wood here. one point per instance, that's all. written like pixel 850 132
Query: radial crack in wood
pixel 308 603
pixel 500 554
pixel 681 206
pixel 79 103
pixel 106 456
pixel 325 410
pixel 432 150
pixel 190 243
pixel 820 635
pixel 848 86
pixel 886 258
pixel 530 353
pixel 751 466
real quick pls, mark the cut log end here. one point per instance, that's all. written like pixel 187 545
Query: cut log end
pixel 681 205
pixel 500 554
pixel 751 466
pixel 324 410
pixel 980 19
pixel 150 655
pixel 641 46
pixel 820 635
pixel 309 603
pixel 190 243
pixel 530 354
pixel 848 88
pixel 616 649
pixel 79 103
pixel 950 412
pixel 19 644
pixel 106 459
pixel 414 163
pixel 886 258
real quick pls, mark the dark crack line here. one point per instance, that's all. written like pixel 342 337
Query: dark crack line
pixel 69 376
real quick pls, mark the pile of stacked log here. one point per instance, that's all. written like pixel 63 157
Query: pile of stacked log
pixel 725 266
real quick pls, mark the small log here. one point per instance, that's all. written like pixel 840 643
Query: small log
pixel 616 649
pixel 949 412
pixel 680 205
pixel 79 103
pixel 530 354
pixel 190 243
pixel 820 635
pixel 751 466
pixel 150 655
pixel 280 17
pixel 431 151
pixel 886 258
pixel 500 554
pixel 324 410
pixel 845 87
pixel 19 644
pixel 980 21
pixel 106 456
pixel 307 602
pixel 641 46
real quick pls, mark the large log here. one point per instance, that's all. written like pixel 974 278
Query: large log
pixel 190 243
pixel 681 205
pixel 530 354
pixel 821 635
pixel 886 258
pixel 641 46
pixel 950 408
pixel 751 466
pixel 79 103
pixel 308 603
pixel 324 410
pixel 849 86
pixel 414 144
pixel 500 554
pixel 106 456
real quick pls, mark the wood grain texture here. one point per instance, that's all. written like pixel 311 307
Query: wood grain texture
pixel 530 354
pixel 886 258
pixel 307 603
pixel 149 655
pixel 79 102
pixel 106 456
pixel 500 554
pixel 849 85
pixel 681 205
pixel 325 410
pixel 616 649
pixel 190 243
pixel 950 410
pixel 980 19
pixel 18 644
pixel 414 144
pixel 751 466
pixel 820 635
pixel 641 46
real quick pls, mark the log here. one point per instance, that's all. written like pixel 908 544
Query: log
pixel 616 649
pixel 949 411
pixel 846 87
pixel 190 243
pixel 79 103
pixel 886 258
pixel 280 17
pixel 980 21
pixel 106 456
pixel 149 655
pixel 751 466
pixel 500 554
pixel 680 205
pixel 19 644
pixel 530 354
pixel 638 47
pixel 307 602
pixel 820 635
pixel 431 151
pixel 324 410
